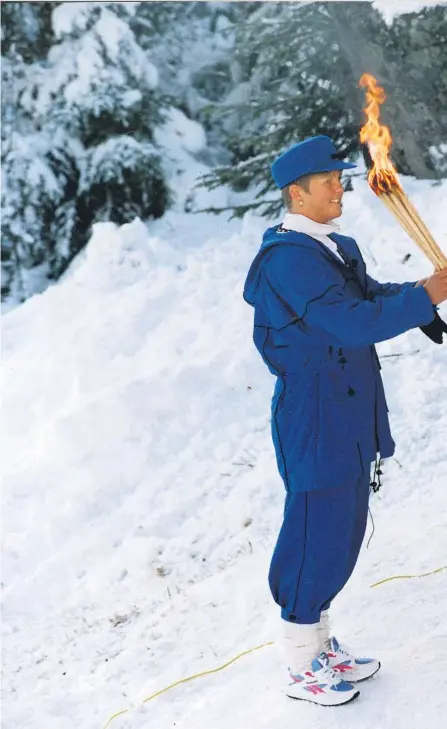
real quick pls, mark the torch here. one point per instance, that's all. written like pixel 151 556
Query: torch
pixel 383 179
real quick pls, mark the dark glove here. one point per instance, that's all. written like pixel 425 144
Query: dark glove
pixel 435 329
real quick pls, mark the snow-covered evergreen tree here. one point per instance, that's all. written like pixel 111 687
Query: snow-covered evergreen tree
pixel 39 182
pixel 36 169
pixel 420 42
pixel 299 66
pixel 81 148
pixel 27 29
pixel 191 44
pixel 87 87
pixel 405 59
pixel 287 90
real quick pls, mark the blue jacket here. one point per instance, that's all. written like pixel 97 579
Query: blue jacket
pixel 316 321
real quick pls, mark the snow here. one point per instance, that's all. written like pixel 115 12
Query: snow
pixel 179 132
pixel 69 17
pixel 182 140
pixel 390 10
pixel 141 499
pixel 29 152
pixel 101 55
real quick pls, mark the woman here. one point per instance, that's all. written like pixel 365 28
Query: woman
pixel 317 317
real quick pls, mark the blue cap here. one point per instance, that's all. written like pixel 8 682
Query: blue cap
pixel 315 154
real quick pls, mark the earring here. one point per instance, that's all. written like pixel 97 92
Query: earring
pixel 301 203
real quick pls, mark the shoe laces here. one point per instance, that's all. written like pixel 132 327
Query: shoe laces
pixel 327 673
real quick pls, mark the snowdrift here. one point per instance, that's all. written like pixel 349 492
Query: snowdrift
pixel 141 499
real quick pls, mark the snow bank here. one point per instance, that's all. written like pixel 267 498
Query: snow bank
pixel 141 499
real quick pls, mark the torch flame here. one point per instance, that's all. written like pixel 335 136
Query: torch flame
pixel 382 177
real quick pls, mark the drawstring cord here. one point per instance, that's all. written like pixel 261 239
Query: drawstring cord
pixel 374 487
pixel 374 528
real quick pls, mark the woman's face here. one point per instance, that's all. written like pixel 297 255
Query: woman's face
pixel 323 200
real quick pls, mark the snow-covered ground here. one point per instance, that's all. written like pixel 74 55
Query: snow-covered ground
pixel 141 499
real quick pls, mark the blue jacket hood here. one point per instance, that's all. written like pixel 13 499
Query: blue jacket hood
pixel 308 255
pixel 271 238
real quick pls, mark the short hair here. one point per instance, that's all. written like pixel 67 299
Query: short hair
pixel 302 182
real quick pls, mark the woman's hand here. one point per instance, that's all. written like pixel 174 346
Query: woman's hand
pixel 436 287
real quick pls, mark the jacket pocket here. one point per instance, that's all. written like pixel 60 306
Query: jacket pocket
pixel 337 437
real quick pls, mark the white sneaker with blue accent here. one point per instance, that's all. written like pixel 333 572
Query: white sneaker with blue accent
pixel 343 663
pixel 320 685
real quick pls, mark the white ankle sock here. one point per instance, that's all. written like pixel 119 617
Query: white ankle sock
pixel 324 627
pixel 301 644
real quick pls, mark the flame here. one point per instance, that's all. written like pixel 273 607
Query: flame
pixel 382 176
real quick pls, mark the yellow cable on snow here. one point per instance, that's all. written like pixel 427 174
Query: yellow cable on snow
pixel 257 648
pixel 115 716
pixel 408 577
pixel 190 678
pixel 207 673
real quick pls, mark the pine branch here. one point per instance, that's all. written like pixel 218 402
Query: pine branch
pixel 239 209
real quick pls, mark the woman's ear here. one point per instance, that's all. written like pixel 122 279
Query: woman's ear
pixel 295 193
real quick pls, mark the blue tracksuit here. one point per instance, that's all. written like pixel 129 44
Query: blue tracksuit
pixel 316 321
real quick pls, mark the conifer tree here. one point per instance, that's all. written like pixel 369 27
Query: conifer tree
pixel 299 67
pixel 80 147
pixel 419 40
pixel 289 89
pixel 191 44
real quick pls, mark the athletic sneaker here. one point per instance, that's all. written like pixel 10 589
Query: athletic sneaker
pixel 345 665
pixel 320 685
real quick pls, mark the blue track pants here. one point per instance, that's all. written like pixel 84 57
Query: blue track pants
pixel 317 548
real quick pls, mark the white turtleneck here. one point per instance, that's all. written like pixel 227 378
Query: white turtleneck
pixel 320 231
